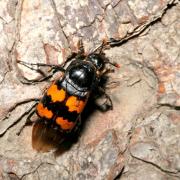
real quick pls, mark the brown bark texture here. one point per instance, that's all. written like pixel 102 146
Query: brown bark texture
pixel 140 137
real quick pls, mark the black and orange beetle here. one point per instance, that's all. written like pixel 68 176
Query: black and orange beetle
pixel 61 106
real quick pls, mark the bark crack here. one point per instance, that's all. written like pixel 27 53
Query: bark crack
pixel 169 172
pixel 31 172
pixel 140 29
pixel 59 22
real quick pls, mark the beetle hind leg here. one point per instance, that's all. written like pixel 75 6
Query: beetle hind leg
pixel 28 121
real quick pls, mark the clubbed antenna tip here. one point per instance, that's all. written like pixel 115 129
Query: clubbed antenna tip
pixel 114 64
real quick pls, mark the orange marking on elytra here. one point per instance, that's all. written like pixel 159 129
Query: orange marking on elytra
pixel 44 112
pixel 65 124
pixel 75 105
pixel 56 94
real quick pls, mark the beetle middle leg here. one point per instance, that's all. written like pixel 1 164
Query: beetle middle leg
pixel 107 104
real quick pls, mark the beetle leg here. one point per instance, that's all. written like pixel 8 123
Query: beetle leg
pixel 53 69
pixel 28 122
pixel 52 66
pixel 80 47
pixel 106 71
pixel 107 105
pixel 100 48
pixel 69 58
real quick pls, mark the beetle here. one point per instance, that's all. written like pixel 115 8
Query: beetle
pixel 60 108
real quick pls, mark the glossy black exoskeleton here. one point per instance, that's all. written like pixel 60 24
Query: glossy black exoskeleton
pixel 84 75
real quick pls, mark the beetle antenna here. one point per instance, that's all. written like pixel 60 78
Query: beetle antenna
pixel 113 64
pixel 100 47
pixel 80 47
